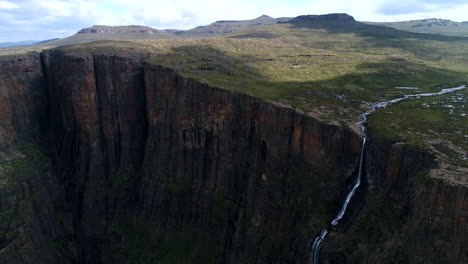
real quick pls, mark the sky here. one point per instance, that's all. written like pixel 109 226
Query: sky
pixel 22 20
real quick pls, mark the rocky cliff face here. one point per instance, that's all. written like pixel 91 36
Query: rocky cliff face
pixel 29 194
pixel 255 171
pixel 133 163
pixel 241 179
pixel 406 217
pixel 22 99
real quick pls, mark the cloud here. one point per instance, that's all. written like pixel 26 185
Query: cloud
pixel 7 5
pixel 417 6
pixel 43 19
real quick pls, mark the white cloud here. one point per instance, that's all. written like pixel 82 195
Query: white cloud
pixel 7 5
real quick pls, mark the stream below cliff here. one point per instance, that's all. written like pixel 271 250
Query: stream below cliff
pixel 318 241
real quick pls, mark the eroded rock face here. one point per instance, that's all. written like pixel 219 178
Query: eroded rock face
pixel 439 223
pixel 22 99
pixel 139 165
pixel 29 194
pixel 406 216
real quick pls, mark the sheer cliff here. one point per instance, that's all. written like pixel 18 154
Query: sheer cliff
pixel 107 158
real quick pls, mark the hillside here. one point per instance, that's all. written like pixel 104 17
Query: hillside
pixel 429 26
pixel 229 26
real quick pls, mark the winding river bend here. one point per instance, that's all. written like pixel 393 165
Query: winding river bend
pixel 318 241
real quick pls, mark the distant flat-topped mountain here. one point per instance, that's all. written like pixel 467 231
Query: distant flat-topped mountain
pixel 229 26
pixel 328 18
pixel 429 26
pixel 100 32
pixel 132 29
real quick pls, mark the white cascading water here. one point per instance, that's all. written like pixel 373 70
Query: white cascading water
pixel 315 250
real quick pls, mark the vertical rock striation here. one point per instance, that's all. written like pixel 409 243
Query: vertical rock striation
pixel 22 100
pixel 99 130
pixel 260 176
pixel 29 194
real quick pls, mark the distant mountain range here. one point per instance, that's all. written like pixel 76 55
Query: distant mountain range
pixel 430 26
pixel 101 32
pixel 24 43
pixel 14 44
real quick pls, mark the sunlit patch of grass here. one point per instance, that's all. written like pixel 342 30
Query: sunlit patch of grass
pixel 440 122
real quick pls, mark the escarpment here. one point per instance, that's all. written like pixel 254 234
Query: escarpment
pixel 111 159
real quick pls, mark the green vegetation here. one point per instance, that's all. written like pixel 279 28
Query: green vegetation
pixel 312 68
pixel 135 240
pixel 440 122
pixel 178 188
pixel 10 182
pixel 189 247
pixel 9 169
pixel 138 245
pixel 308 192
pixel 30 150
pixel 21 50
pixel 377 233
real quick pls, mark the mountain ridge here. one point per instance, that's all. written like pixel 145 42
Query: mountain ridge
pixel 429 26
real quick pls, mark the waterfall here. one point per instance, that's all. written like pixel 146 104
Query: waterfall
pixel 315 250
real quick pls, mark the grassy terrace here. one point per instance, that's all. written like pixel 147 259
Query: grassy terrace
pixel 334 71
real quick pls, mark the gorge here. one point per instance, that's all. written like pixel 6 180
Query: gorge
pixel 315 259
pixel 104 161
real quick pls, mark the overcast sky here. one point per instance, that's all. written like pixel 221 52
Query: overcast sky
pixel 44 19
